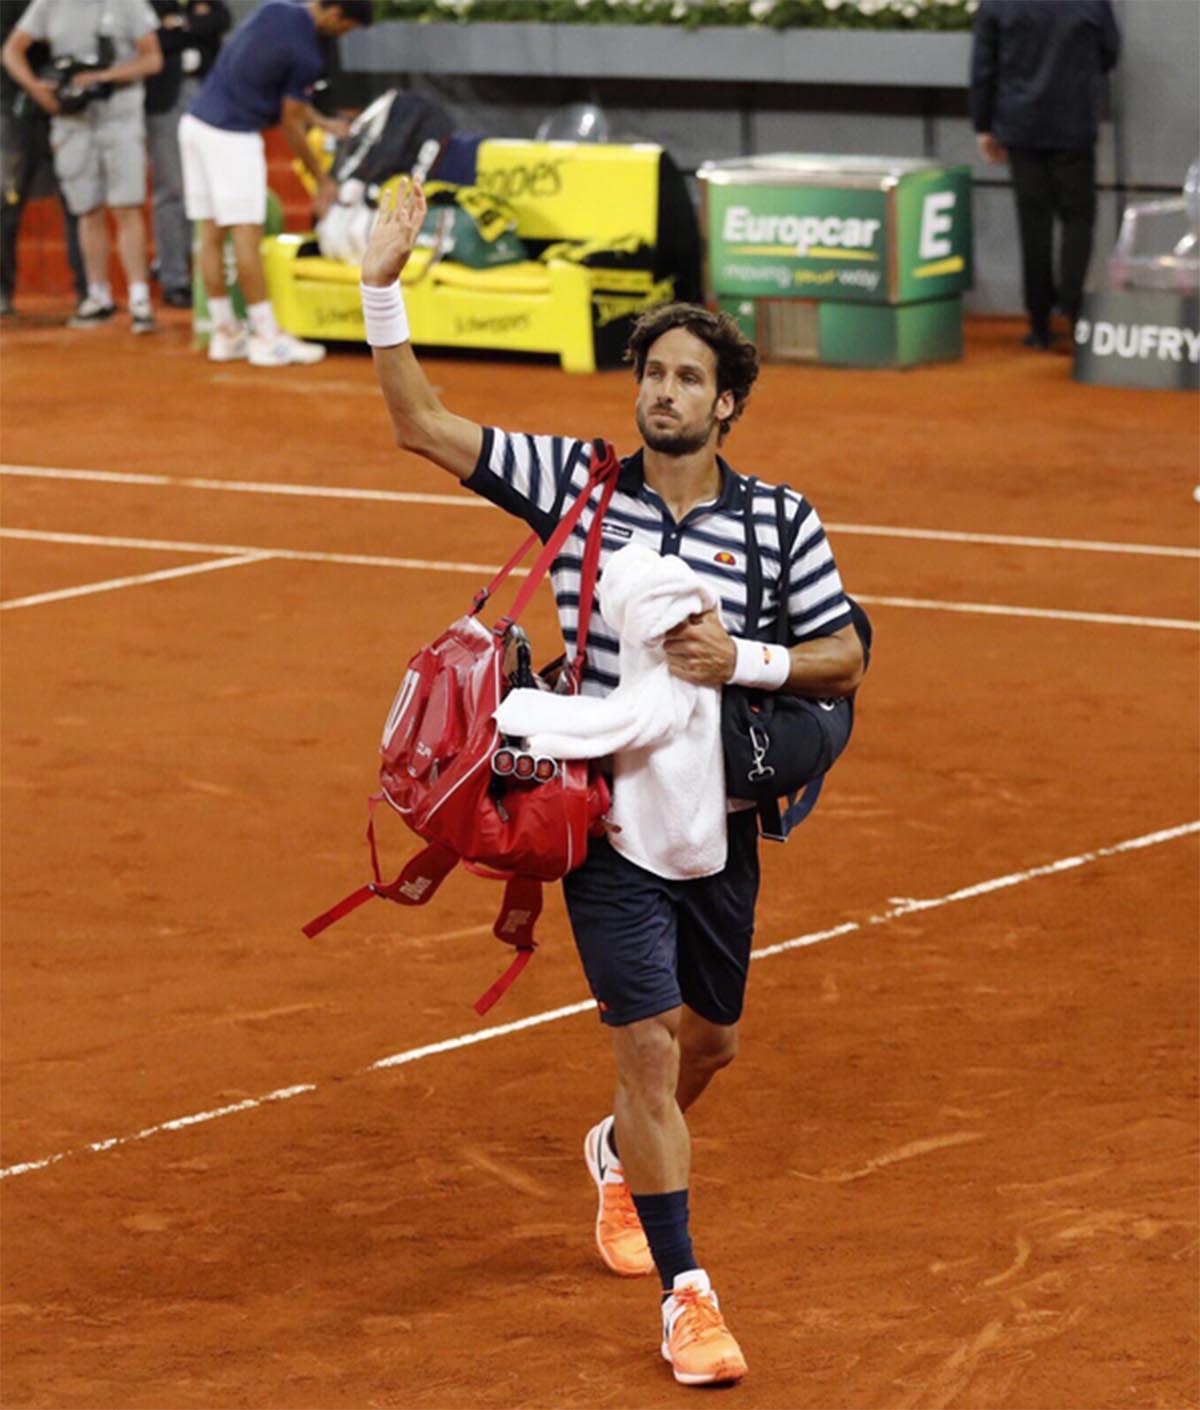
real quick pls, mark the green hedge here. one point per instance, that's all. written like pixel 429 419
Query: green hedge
pixel 927 15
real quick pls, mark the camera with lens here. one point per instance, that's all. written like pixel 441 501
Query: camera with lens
pixel 73 97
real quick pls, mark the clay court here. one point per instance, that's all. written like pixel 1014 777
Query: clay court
pixel 955 1164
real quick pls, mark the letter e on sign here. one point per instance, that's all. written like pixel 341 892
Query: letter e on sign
pixel 935 225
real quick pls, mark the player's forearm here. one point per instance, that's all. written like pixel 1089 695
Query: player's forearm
pixel 419 421
pixel 828 667
pixel 295 132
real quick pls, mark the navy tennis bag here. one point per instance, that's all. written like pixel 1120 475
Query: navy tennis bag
pixel 779 747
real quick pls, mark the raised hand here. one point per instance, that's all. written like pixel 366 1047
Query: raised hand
pixel 394 234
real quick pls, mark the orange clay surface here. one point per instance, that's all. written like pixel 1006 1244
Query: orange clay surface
pixel 954 1164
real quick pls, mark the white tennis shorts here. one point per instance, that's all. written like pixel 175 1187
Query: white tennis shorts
pixel 224 174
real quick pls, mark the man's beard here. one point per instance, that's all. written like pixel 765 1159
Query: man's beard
pixel 675 443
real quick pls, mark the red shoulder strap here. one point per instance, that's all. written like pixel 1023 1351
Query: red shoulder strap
pixel 604 469
pixel 519 911
pixel 587 581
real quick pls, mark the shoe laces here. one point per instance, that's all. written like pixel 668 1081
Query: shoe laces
pixel 619 1207
pixel 699 1317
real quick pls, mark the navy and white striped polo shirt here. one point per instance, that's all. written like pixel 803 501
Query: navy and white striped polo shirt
pixel 537 477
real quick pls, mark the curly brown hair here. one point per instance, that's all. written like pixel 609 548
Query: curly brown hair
pixel 736 355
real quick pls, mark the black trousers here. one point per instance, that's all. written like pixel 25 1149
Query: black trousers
pixel 26 157
pixel 1048 185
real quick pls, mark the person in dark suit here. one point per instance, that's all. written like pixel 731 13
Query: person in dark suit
pixel 189 34
pixel 1037 83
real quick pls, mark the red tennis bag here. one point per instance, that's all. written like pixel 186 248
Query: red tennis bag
pixel 471 794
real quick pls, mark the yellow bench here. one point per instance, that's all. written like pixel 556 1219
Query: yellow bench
pixel 559 191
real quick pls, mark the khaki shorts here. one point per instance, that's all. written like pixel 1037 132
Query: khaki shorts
pixel 100 158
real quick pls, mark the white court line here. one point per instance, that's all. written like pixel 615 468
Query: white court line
pixel 113 584
pixel 899 907
pixel 180 1123
pixel 470 501
pixel 466 500
pixel 290 555
pixel 1113 619
pixel 488 570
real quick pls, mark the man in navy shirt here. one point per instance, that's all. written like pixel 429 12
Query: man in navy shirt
pixel 264 76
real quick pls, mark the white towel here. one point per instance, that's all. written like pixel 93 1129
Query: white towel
pixel 664 733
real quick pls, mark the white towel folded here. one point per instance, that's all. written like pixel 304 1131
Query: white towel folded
pixel 664 733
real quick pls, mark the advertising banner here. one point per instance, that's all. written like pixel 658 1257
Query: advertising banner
pixel 933 234
pixel 792 241
pixel 1139 339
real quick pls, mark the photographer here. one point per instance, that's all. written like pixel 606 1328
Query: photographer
pixel 26 171
pixel 101 50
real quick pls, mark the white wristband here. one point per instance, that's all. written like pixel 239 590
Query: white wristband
pixel 760 665
pixel 384 314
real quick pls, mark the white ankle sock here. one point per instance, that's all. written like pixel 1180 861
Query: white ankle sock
pixel 221 311
pixel 139 292
pixel 262 320
pixel 101 292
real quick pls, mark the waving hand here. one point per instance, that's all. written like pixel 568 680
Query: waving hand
pixel 394 234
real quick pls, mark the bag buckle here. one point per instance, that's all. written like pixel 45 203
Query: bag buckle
pixel 760 743
pixel 528 768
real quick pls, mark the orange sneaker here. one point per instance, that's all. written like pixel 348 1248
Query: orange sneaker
pixel 696 1341
pixel 619 1235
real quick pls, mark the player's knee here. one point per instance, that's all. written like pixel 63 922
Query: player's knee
pixel 647 1060
pixel 710 1051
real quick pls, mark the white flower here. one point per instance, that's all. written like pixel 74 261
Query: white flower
pixel 760 9
pixel 679 10
pixel 833 4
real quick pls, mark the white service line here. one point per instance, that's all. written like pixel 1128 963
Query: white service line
pixel 898 907
pixel 180 1123
pixel 470 501
pixel 290 555
pixel 465 500
pixel 113 584
pixel 487 570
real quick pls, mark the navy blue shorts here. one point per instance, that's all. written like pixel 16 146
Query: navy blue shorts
pixel 648 944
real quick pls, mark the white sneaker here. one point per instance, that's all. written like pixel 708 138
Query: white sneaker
pixel 283 349
pixel 142 318
pixel 90 313
pixel 227 345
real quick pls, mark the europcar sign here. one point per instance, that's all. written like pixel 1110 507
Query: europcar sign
pixel 905 240
pixel 776 241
